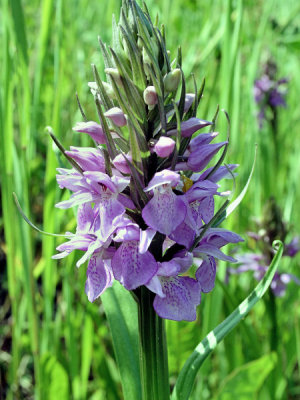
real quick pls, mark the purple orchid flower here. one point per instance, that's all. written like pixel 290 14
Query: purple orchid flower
pixel 144 196
pixel 133 265
pixel 165 211
pixel 176 296
pixel 257 263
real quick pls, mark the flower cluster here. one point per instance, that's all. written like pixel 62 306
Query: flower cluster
pixel 269 93
pixel 144 192
pixel 271 228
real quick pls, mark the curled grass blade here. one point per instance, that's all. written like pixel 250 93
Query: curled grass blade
pixel 190 369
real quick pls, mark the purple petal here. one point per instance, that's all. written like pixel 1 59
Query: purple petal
pixel 211 250
pixel 221 173
pixel 164 212
pixel 164 177
pixel 126 201
pixel 99 277
pixel 76 199
pixel 182 295
pixel 70 179
pixel 183 235
pixel 292 248
pixel 85 218
pixel 132 268
pixel 206 274
pixel 129 232
pixel 189 127
pixel 188 101
pixel 91 128
pixel 207 208
pixel 121 164
pixel 200 140
pixel 219 237
pixel 88 158
pixel 155 286
pixel 146 239
pixel 101 177
pixel 199 159
pixel 110 209
pixel 117 116
pixel 164 147
pixel 201 189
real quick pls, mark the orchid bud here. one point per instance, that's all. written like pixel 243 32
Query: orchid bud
pixel 91 128
pixel 114 73
pixel 171 80
pixel 121 163
pixel 190 126
pixel 164 146
pixel 117 116
pixel 150 96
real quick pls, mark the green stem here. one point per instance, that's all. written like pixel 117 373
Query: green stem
pixel 153 350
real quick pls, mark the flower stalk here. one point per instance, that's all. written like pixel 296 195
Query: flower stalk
pixel 153 349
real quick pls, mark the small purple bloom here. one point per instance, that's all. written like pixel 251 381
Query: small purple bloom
pixel 206 274
pixel 88 158
pixel 199 158
pixel 117 116
pixel 190 126
pixel 164 146
pixel 93 129
pixel 176 296
pixel 121 164
pixel 292 248
pixel 99 277
pixel 130 266
pixel 257 263
pixel 165 211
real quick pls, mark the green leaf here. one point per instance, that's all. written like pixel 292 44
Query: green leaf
pixel 20 28
pixel 86 353
pixel 245 382
pixel 55 383
pixel 240 197
pixel 190 369
pixel 121 312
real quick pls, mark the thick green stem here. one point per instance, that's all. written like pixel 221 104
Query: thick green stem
pixel 153 350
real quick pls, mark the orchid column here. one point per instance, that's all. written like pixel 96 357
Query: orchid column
pixel 145 194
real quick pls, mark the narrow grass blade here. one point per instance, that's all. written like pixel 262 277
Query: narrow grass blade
pixel 190 369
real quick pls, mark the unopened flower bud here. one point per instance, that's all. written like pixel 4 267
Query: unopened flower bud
pixel 114 73
pixel 172 79
pixel 121 163
pixel 188 101
pixel 117 116
pixel 150 96
pixel 93 87
pixel 109 90
pixel 164 146
pixel 91 128
pixel 146 58
pixel 190 126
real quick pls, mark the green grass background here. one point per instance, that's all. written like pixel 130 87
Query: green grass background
pixel 54 343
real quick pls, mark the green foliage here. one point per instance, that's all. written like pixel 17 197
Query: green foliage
pixel 245 382
pixel 47 327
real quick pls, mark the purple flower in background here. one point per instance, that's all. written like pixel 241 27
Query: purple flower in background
pixel 270 228
pixel 257 263
pixel 145 193
pixel 269 93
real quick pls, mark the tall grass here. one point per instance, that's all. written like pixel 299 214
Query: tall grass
pixel 53 342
